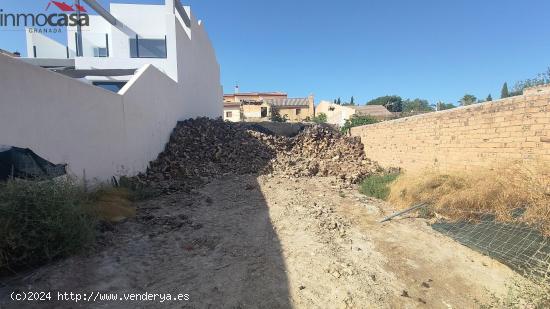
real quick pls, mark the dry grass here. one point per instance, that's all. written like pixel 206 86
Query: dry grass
pixel 500 191
pixel 522 293
pixel 113 204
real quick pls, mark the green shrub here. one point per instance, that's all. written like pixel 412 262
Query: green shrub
pixel 42 221
pixel 276 116
pixel 356 121
pixel 321 118
pixel 377 185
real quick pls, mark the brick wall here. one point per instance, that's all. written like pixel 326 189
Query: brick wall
pixel 512 129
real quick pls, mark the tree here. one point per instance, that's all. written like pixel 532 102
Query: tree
pixel 489 98
pixel 350 103
pixel 417 105
pixel 339 102
pixel 321 118
pixel 443 106
pixel 468 99
pixel 393 103
pixel 356 121
pixel 276 116
pixel 539 80
pixel 504 93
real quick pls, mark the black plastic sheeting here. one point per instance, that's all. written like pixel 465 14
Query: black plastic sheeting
pixel 24 163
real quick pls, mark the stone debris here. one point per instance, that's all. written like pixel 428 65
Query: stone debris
pixel 202 149
pixel 319 151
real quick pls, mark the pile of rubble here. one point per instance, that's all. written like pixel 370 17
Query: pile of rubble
pixel 202 149
pixel 319 151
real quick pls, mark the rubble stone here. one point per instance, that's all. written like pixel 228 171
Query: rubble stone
pixel 202 149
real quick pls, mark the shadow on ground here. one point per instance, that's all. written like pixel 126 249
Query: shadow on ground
pixel 214 243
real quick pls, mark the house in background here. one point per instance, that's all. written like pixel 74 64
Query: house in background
pixel 377 111
pixel 117 42
pixel 232 112
pixel 338 114
pixel 238 97
pixel 106 101
pixel 260 106
pixel 294 109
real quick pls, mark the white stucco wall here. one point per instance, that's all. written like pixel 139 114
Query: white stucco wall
pixel 92 36
pixel 45 46
pixel 336 114
pixel 108 134
pixel 235 113
pixel 148 21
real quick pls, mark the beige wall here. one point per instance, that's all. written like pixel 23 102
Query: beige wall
pixel 232 113
pixel 304 113
pixel 537 90
pixel 254 112
pixel 512 129
pixel 292 113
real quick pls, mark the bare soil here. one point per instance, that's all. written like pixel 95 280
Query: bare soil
pixel 272 242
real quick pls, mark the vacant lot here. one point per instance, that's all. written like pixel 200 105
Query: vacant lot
pixel 271 242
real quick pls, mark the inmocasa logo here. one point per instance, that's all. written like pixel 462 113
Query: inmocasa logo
pixel 65 7
pixel 70 16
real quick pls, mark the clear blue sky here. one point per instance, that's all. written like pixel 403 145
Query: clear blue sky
pixel 432 49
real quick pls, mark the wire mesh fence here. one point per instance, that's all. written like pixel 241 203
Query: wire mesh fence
pixel 522 247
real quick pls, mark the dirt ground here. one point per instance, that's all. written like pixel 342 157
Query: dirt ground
pixel 271 242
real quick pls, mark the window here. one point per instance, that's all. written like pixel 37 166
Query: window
pixel 100 52
pixel 111 86
pixel 264 112
pixel 147 48
pixel 298 111
pixel 228 114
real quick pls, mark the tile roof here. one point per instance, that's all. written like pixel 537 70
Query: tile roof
pixel 255 94
pixel 372 110
pixel 288 102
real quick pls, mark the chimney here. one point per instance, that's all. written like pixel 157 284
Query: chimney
pixel 236 89
pixel 311 101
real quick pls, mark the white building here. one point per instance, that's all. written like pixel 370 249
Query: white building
pixel 106 102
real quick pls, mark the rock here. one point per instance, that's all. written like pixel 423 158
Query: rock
pixel 202 149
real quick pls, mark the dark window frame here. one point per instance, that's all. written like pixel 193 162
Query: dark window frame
pixel 135 42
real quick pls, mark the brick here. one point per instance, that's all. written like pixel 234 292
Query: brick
pixel 511 129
